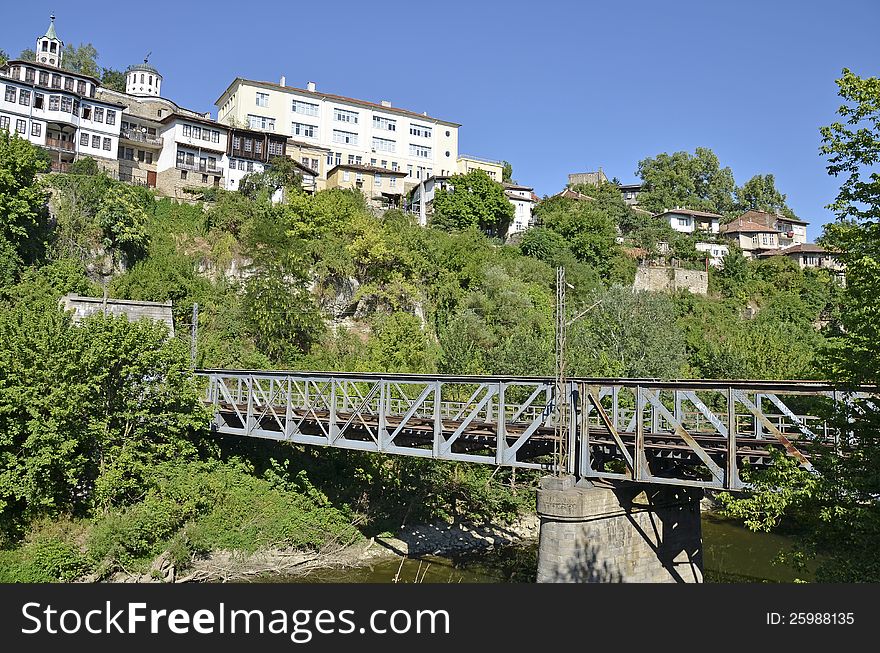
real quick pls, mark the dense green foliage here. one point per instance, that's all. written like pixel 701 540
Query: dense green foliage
pixel 836 510
pixel 105 461
pixel 473 201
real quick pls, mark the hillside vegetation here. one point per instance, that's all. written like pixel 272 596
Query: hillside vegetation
pixel 105 460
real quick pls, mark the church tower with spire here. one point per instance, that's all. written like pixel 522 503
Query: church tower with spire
pixel 49 46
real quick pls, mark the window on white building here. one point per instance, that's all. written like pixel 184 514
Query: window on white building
pixel 10 93
pixel 96 142
pixel 383 144
pixel 276 148
pixel 420 151
pixel 384 123
pixel 107 144
pixel 304 130
pixel 36 129
pixel 261 122
pixel 392 183
pixel 24 97
pixel 420 130
pixel 377 181
pixel 346 176
pixel 99 114
pixel 305 108
pixel 21 126
pixel 342 115
pixel 262 99
pixel 111 117
pixel 347 138
pixel 84 139
pixel 683 222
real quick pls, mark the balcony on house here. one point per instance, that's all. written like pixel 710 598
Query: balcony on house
pixel 138 136
pixel 207 168
pixel 57 144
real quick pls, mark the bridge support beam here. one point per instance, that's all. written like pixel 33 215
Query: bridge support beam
pixel 625 533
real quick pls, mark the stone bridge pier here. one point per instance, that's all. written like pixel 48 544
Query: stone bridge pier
pixel 618 533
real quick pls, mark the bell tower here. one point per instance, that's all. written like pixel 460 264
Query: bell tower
pixel 49 46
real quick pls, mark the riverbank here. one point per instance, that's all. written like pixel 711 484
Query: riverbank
pixel 438 538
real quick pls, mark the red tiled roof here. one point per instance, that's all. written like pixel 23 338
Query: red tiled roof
pixel 805 248
pixel 696 214
pixel 744 226
pixel 768 219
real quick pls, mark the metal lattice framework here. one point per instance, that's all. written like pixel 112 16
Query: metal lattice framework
pixel 698 433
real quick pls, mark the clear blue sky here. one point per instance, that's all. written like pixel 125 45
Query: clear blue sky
pixel 553 87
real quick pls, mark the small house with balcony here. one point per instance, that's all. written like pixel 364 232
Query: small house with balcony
pixel 383 188
pixel 688 221
pixel 810 255
pixel 753 238
pixel 790 230
pixel 193 154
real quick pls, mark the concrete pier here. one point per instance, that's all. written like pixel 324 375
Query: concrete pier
pixel 621 533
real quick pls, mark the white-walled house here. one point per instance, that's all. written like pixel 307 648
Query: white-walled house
pixel 688 221
pixel 57 109
pixel 193 154
pixel 522 198
pixel 715 251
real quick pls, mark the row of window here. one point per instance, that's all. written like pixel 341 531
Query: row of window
pixel 335 159
pixel 60 103
pixel 20 126
pixel 377 179
pixel 261 122
pixel 130 154
pixel 210 135
pixel 53 80
pixel 97 142
pixel 241 164
pixel 189 159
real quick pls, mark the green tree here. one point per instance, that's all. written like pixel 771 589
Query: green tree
pixel 507 172
pixel 3 57
pixel 473 201
pixel 627 334
pixel 684 180
pixel 281 173
pixel 28 55
pixel 82 59
pixel 113 79
pixel 87 410
pixel 837 507
pixel 23 200
pixel 760 193
pixel 589 231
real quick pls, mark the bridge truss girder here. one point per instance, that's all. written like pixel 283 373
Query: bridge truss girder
pixel 694 433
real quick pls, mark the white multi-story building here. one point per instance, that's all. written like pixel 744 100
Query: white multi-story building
pixel 57 109
pixel 345 131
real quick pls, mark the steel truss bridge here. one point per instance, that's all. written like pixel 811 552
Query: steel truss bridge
pixel 697 433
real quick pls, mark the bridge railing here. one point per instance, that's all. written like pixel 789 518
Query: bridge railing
pixel 700 433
